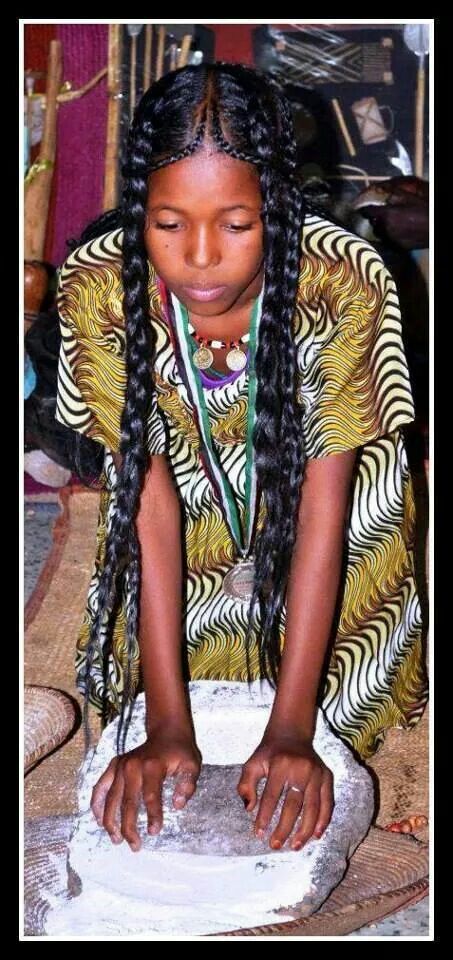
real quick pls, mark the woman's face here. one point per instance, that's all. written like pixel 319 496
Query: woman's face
pixel 204 232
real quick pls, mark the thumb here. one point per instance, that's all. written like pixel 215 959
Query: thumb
pixel 252 773
pixel 185 786
pixel 101 790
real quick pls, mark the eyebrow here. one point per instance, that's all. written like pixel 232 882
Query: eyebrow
pixel 169 206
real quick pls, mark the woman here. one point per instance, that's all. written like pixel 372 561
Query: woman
pixel 241 361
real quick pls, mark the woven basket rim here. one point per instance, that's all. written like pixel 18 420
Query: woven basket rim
pixel 41 697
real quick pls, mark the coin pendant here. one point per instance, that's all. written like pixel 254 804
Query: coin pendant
pixel 203 358
pixel 236 359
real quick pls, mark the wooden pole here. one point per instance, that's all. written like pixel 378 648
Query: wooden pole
pixel 148 56
pixel 185 50
pixel 342 124
pixel 366 179
pixel 419 109
pixel 111 178
pixel 38 188
pixel 160 53
pixel 132 76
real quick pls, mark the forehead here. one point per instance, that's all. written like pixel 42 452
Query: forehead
pixel 208 178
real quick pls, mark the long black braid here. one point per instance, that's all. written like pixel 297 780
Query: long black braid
pixel 244 113
pixel 278 435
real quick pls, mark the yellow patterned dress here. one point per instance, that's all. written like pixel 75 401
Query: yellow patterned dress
pixel 355 391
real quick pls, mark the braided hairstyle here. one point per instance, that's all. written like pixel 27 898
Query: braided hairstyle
pixel 244 114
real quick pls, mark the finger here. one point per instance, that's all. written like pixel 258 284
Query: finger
pixel 290 811
pixel 185 786
pixel 112 807
pixel 101 789
pixel 252 773
pixel 269 799
pixel 129 810
pixel 153 779
pixel 310 813
pixel 327 803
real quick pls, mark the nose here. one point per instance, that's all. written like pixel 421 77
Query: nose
pixel 202 250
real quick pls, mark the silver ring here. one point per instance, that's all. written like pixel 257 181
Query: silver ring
pixel 297 789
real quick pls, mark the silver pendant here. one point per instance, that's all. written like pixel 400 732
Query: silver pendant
pixel 238 582
pixel 236 359
pixel 203 358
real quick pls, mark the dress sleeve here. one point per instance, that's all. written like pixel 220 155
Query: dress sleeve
pixel 355 383
pixel 91 370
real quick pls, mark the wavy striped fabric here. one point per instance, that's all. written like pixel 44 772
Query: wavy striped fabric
pixel 355 391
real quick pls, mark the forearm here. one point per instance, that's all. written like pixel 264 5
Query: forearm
pixel 160 636
pixel 311 596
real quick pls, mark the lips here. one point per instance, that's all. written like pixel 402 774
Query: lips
pixel 204 293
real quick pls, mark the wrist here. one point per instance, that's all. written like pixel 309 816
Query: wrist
pixel 168 707
pixel 290 728
pixel 286 735
pixel 175 722
pixel 293 712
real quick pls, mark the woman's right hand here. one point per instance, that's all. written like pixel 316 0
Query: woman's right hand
pixel 138 775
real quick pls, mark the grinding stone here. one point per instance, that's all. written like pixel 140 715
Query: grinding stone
pixel 206 871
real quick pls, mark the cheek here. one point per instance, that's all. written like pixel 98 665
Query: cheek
pixel 159 252
pixel 247 248
pixel 253 254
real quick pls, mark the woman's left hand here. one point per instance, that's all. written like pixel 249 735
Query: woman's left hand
pixel 288 760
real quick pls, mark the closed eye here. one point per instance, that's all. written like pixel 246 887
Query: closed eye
pixel 234 227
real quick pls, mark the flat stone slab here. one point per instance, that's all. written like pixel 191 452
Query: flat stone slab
pixel 206 871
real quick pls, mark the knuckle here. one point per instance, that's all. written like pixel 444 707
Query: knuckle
pixel 303 834
pixel 129 834
pixel 250 766
pixel 322 825
pixel 308 765
pixel 150 763
pixel 187 789
pixel 129 765
pixel 189 772
pixel 279 761
pixel 149 797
